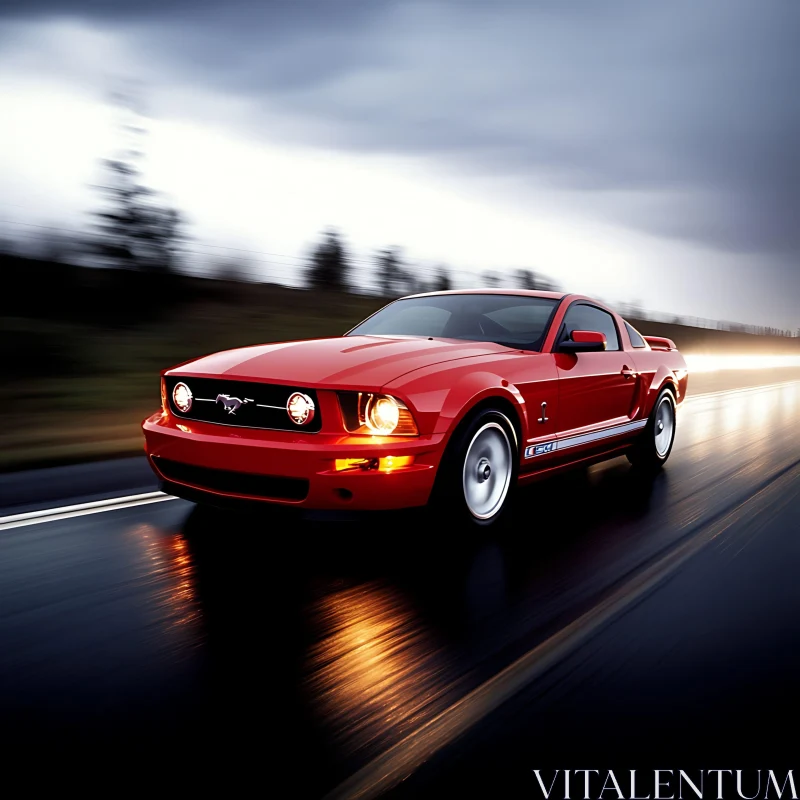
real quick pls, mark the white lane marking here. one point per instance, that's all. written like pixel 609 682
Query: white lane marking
pixel 81 509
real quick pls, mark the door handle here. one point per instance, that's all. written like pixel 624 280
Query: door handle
pixel 628 372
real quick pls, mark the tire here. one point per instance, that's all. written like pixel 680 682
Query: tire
pixel 654 445
pixel 478 471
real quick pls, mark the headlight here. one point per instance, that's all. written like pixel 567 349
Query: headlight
pixel 182 397
pixel 382 414
pixel 300 408
pixel 376 414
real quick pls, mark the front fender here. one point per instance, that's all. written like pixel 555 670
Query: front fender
pixel 472 389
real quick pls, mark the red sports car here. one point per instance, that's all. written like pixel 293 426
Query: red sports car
pixel 448 398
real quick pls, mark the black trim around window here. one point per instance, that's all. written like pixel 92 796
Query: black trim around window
pixel 629 328
pixel 561 333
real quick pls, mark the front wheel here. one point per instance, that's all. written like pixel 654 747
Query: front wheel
pixel 655 443
pixel 478 470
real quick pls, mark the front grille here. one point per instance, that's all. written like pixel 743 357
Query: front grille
pixel 227 482
pixel 242 404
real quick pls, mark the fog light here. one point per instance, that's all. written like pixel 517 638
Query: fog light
pixel 342 464
pixel 182 397
pixel 388 463
pixel 385 464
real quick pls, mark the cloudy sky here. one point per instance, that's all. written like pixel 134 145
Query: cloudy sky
pixel 636 151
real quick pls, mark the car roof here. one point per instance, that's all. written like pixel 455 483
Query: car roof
pixel 519 292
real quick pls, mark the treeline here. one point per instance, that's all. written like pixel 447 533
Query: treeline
pixel 136 231
pixel 388 274
pixel 135 228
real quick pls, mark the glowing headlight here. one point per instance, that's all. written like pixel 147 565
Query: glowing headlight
pixel 382 414
pixel 300 408
pixel 182 397
pixel 376 414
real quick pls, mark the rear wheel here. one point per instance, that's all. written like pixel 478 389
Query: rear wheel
pixel 655 443
pixel 478 470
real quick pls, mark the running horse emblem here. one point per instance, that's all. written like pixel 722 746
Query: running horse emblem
pixel 231 404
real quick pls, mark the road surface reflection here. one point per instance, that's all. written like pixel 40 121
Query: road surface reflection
pixel 168 566
pixel 376 667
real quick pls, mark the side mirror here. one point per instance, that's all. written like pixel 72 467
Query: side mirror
pixel 584 342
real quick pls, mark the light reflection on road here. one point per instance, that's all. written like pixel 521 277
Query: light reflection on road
pixel 170 570
pixel 375 668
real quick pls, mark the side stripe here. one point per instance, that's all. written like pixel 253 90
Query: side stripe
pixel 533 450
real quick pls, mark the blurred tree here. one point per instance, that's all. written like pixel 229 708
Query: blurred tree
pixel 415 285
pixel 636 309
pixel 525 279
pixel 390 272
pixel 136 229
pixel 490 279
pixel 329 266
pixel 414 281
pixel 442 280
pixel 535 281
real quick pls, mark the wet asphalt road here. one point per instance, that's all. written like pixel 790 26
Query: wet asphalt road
pixel 216 646
pixel 701 674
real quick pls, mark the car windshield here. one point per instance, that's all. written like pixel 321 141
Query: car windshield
pixel 512 320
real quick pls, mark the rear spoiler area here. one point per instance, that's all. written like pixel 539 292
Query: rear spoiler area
pixel 660 343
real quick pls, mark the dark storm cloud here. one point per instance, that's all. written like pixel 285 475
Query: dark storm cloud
pixel 680 119
pixel 264 18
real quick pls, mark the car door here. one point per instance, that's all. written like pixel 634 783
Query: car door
pixel 533 374
pixel 596 390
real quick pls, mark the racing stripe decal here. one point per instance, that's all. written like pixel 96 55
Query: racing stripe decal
pixel 533 450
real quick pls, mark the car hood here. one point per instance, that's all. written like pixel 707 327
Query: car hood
pixel 367 362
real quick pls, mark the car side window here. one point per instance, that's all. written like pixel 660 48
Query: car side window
pixel 581 317
pixel 634 336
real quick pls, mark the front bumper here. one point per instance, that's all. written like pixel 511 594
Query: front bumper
pixel 287 468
